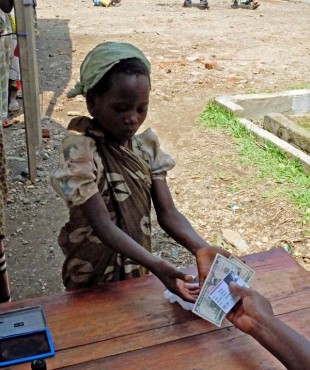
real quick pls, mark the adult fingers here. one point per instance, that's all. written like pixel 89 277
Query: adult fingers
pixel 230 316
pixel 188 297
pixel 239 290
pixel 192 289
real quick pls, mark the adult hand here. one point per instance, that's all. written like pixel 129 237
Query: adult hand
pixel 177 281
pixel 251 311
pixel 204 259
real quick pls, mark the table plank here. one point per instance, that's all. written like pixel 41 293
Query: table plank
pixel 133 314
pixel 136 341
pixel 226 348
pixel 134 309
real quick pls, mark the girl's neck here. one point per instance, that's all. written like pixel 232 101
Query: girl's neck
pixel 109 139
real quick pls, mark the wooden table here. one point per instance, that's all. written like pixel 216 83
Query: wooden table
pixel 130 325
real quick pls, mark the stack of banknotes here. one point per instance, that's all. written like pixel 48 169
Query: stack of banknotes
pixel 205 306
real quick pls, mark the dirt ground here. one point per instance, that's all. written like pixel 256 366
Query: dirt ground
pixel 196 55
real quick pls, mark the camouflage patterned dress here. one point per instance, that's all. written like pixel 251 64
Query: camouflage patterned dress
pixel 123 175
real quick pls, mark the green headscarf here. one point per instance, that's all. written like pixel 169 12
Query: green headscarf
pixel 100 60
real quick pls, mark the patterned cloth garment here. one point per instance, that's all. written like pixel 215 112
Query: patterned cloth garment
pixel 5 50
pixel 123 175
pixel 5 54
pixel 14 70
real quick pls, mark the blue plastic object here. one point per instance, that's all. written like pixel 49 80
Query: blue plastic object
pixel 25 347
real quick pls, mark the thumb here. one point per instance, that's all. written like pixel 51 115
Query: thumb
pixel 239 290
pixel 185 277
pixel 189 278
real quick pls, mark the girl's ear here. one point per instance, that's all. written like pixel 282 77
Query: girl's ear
pixel 90 103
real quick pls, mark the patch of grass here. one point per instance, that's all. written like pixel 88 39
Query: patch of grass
pixel 299 86
pixel 241 183
pixel 266 157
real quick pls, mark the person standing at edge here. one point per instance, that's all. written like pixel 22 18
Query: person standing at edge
pixel 6 7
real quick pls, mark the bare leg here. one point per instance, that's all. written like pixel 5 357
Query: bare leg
pixel 13 103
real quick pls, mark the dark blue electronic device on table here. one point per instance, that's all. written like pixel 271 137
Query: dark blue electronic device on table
pixel 24 336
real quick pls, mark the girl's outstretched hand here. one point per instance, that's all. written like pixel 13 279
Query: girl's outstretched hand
pixel 177 281
pixel 204 259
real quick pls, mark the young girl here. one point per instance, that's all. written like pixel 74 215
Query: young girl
pixel 14 72
pixel 109 175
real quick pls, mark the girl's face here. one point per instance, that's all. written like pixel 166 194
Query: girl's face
pixel 122 109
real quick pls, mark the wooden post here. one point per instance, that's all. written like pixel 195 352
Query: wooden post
pixel 24 15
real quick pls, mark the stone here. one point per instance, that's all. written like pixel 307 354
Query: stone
pixel 45 156
pixel 210 65
pixel 256 105
pixel 287 130
pixel 234 238
pixel 73 113
pixel 45 133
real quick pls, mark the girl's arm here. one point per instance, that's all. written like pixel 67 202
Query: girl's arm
pixel 6 5
pixel 178 227
pixel 98 217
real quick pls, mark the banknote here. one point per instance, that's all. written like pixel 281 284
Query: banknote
pixel 204 306
pixel 246 272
